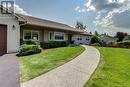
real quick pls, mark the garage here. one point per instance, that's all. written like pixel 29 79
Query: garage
pixel 3 39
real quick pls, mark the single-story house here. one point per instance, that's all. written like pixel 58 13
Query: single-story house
pixel 106 38
pixel 14 27
pixel 127 37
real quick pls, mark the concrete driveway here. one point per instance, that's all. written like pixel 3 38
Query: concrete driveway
pixel 9 71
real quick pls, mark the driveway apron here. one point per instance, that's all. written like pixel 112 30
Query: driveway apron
pixel 9 71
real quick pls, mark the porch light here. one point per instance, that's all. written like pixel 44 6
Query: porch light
pixel 13 27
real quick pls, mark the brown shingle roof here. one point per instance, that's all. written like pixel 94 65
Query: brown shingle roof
pixel 46 23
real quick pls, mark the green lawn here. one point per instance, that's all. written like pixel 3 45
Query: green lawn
pixel 113 70
pixel 35 65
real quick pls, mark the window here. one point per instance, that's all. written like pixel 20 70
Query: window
pixel 50 35
pixel 35 35
pixel 27 35
pixel 31 35
pixel 8 7
pixel 59 36
pixel 87 38
pixel 79 37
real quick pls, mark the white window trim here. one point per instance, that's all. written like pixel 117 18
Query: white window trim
pixel 31 34
pixel 59 32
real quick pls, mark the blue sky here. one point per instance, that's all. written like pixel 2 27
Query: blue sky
pixel 95 14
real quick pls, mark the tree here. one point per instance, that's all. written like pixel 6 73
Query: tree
pixel 96 33
pixel 120 36
pixel 95 39
pixel 80 25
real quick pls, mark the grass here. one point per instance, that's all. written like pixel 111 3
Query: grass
pixel 113 70
pixel 38 64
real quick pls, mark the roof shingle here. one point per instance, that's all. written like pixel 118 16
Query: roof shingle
pixel 47 23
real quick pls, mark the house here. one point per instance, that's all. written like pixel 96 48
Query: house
pixel 82 38
pixel 106 38
pixel 14 27
pixel 127 37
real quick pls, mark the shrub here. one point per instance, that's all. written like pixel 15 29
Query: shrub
pixel 54 44
pixel 124 44
pixel 73 45
pixel 126 41
pixel 32 42
pixel 111 44
pixel 95 39
pixel 29 50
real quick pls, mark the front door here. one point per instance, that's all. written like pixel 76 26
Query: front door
pixel 3 39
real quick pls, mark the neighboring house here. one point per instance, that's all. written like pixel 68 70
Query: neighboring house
pixel 14 27
pixel 106 38
pixel 127 37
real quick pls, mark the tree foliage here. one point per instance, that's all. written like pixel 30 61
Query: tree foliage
pixel 120 36
pixel 95 39
pixel 96 33
pixel 80 25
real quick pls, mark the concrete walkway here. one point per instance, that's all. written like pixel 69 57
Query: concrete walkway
pixel 9 71
pixel 73 74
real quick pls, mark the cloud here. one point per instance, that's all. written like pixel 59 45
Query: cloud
pixel 109 18
pixel 77 8
pixel 122 20
pixel 111 15
pixel 104 4
pixel 20 10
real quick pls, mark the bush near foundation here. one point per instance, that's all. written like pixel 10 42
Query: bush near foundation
pixel 29 50
pixel 54 44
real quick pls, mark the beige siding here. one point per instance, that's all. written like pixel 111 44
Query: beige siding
pixel 66 36
pixel 46 35
pixel 85 39
pixel 13 34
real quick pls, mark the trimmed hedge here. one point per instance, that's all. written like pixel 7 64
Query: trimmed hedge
pixel 29 50
pixel 54 44
pixel 73 45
